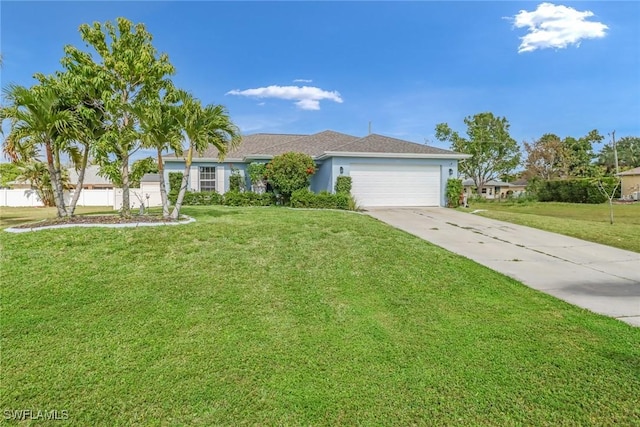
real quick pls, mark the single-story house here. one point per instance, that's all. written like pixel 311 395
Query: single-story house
pixel 518 187
pixel 630 184
pixel 495 189
pixel 92 180
pixel 385 171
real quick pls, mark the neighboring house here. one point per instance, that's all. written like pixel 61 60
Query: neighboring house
pixel 630 184
pixel 519 186
pixel 494 189
pixel 92 181
pixel 385 171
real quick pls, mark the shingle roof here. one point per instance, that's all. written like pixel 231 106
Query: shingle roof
pixel 265 144
pixel 91 176
pixel 253 144
pixel 520 182
pixel 491 183
pixel 313 145
pixel 150 177
pixel 634 171
pixel 383 144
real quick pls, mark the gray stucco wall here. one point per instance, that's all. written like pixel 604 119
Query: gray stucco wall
pixel 329 169
pixel 321 180
pixel 226 167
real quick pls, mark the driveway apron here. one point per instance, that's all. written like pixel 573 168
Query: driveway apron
pixel 599 278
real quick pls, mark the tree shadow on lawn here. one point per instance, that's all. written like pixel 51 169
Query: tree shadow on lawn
pixel 207 213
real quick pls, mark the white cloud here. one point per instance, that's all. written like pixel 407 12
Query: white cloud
pixel 305 97
pixel 556 26
pixel 302 81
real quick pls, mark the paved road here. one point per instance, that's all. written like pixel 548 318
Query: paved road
pixel 600 278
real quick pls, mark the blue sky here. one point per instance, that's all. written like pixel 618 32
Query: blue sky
pixel 564 68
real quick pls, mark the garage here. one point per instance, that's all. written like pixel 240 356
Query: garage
pixel 395 185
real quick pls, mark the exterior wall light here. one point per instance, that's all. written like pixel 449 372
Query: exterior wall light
pixel 341 170
pixel 450 172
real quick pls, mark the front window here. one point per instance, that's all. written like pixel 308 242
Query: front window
pixel 207 178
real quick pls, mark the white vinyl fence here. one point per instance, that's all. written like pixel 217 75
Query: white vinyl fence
pixel 103 197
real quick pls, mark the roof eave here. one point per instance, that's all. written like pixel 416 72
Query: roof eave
pixel 452 156
pixel 205 159
pixel 257 157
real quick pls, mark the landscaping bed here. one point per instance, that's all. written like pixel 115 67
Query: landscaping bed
pixel 96 220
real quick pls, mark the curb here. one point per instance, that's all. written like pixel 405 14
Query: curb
pixel 125 225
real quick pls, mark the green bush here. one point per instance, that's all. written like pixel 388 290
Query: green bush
pixel 304 198
pixel 454 190
pixel 343 184
pixel 573 191
pixel 248 198
pixel 197 198
pixel 236 181
pixel 289 172
pixel 257 172
pixel 175 181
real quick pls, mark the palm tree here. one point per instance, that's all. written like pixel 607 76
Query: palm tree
pixel 202 127
pixel 159 129
pixel 36 174
pixel 37 121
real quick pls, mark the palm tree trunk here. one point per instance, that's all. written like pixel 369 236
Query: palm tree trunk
pixel 58 196
pixel 175 214
pixel 76 195
pixel 163 187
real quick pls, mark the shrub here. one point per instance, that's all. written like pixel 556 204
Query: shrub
pixel 248 198
pixel 197 198
pixel 343 184
pixel 304 198
pixel 257 172
pixel 175 181
pixel 289 172
pixel 572 191
pixel 453 191
pixel 236 181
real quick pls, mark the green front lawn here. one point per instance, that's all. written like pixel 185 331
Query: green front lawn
pixel 584 221
pixel 272 316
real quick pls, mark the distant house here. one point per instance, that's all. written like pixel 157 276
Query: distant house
pixel 630 185
pixel 495 189
pixel 92 181
pixel 519 186
pixel 385 171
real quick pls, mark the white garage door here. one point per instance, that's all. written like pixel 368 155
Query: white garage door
pixel 395 185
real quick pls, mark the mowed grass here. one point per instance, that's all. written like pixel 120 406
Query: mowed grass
pixel 15 216
pixel 584 221
pixel 270 316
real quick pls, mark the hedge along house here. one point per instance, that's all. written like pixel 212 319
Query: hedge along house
pixel 384 171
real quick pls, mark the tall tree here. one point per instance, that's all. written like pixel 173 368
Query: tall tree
pixel 547 158
pixel 628 148
pixel 493 151
pixel 127 72
pixel 581 154
pixel 81 99
pixel 39 121
pixel 202 127
pixel 159 129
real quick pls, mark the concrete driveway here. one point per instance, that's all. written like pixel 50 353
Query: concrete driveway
pixel 599 278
